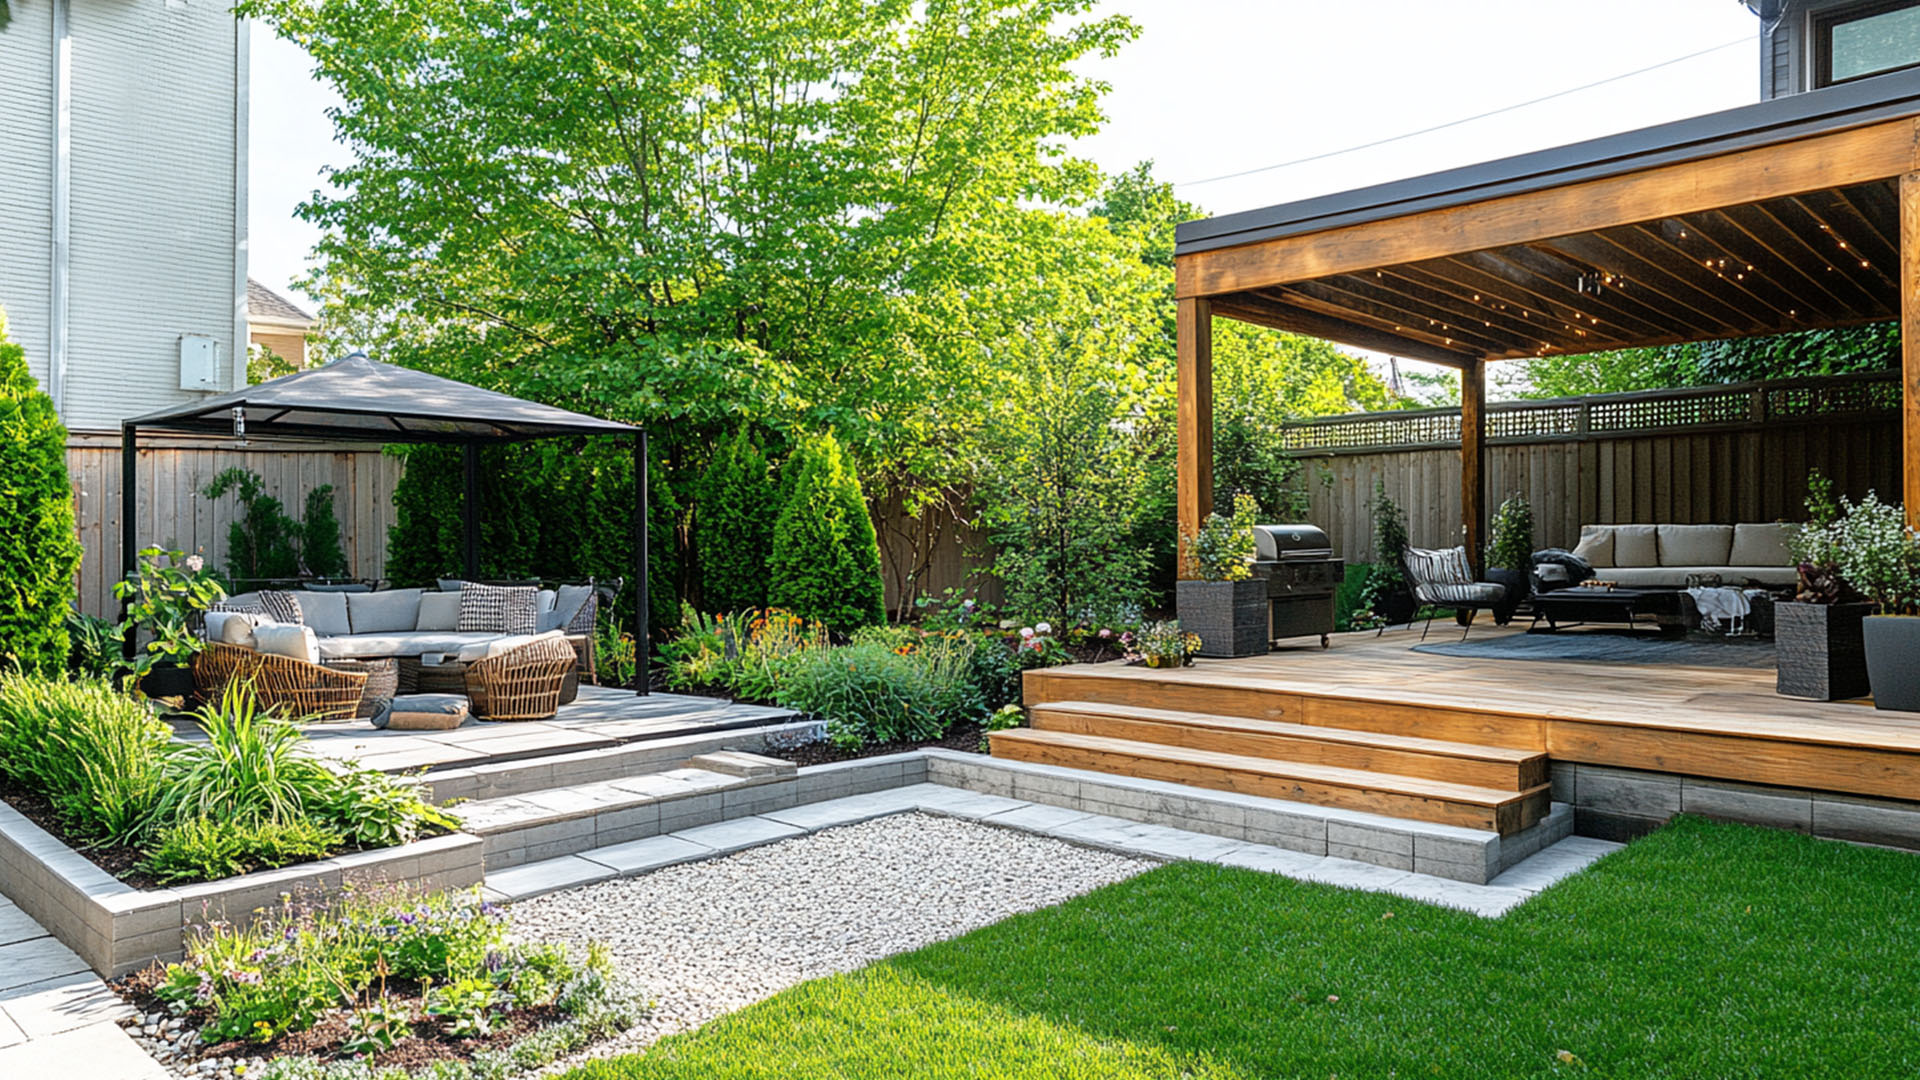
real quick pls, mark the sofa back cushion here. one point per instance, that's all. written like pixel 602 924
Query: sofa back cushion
pixel 1694 545
pixel 283 639
pixel 383 612
pixel 1596 546
pixel 567 601
pixel 1636 545
pixel 438 611
pixel 326 612
pixel 1763 545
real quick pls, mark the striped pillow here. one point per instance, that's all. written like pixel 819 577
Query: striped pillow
pixel 493 609
pixel 1439 567
pixel 282 607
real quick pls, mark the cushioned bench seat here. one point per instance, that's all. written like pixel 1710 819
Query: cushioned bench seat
pixel 1664 556
pixel 399 643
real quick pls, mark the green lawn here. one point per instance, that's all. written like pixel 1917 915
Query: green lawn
pixel 1705 950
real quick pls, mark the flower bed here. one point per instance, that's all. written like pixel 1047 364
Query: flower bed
pixel 378 984
pixel 95 768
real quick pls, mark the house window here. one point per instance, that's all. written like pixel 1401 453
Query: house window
pixel 1865 39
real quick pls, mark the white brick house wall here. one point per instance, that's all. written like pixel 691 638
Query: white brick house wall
pixel 157 215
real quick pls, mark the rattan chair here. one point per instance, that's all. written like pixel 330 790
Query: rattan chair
pixel 301 690
pixel 523 684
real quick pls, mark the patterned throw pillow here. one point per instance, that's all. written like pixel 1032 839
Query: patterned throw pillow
pixel 282 607
pixel 244 607
pixel 492 609
pixel 583 620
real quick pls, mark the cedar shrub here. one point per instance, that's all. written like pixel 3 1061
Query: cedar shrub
pixel 826 557
pixel 733 526
pixel 39 547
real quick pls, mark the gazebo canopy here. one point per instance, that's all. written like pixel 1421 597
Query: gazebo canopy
pixel 355 399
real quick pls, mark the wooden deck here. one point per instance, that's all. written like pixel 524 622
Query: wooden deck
pixel 1720 723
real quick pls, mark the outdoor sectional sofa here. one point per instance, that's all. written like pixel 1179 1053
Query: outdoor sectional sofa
pixel 1666 556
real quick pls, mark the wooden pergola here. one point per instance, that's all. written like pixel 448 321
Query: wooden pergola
pixel 1794 214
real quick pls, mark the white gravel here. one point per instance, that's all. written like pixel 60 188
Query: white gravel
pixel 707 938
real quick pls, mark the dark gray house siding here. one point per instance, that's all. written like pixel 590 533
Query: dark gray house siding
pixel 1786 42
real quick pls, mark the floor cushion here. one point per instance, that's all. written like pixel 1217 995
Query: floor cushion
pixel 426 712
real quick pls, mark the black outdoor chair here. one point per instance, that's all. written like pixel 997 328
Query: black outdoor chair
pixel 1443 580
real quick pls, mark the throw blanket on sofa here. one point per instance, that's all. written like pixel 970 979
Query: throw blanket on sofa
pixel 1578 569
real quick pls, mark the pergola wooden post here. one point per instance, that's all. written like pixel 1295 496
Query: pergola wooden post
pixel 1910 343
pixel 1195 423
pixel 1473 462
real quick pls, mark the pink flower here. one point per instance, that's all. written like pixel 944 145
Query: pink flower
pixel 1026 633
pixel 194 563
pixel 1105 633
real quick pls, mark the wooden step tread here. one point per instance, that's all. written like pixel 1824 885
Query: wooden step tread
pixel 1410 743
pixel 1444 791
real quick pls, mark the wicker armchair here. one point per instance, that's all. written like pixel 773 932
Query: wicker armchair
pixel 523 684
pixel 303 691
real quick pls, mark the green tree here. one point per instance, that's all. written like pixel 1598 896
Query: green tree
pixel 320 550
pixel 1841 351
pixel 733 526
pixel 263 541
pixel 39 548
pixel 826 559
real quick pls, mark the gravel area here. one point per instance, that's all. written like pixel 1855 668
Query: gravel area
pixel 711 937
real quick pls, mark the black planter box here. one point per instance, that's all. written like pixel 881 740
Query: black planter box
pixel 1519 585
pixel 1893 661
pixel 1822 650
pixel 167 681
pixel 1230 617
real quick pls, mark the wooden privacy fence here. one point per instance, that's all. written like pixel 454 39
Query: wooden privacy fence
pixel 1698 455
pixel 173 514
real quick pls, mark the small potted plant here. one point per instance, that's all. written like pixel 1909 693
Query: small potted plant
pixel 1386 598
pixel 1879 556
pixel 1164 645
pixel 1510 555
pixel 1819 634
pixel 165 600
pixel 1227 606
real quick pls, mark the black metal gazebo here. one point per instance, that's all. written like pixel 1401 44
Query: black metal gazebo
pixel 358 400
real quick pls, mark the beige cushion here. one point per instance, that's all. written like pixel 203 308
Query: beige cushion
pixel 407 643
pixel 1675 577
pixel 498 646
pixel 234 627
pixel 438 611
pixel 1694 545
pixel 288 639
pixel 427 712
pixel 1636 545
pixel 1763 545
pixel 1596 546
pixel 383 612
pixel 326 612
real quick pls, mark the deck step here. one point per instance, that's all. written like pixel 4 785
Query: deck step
pixel 1369 751
pixel 1388 794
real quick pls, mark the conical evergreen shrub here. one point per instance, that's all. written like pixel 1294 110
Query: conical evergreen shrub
pixel 733 526
pixel 39 549
pixel 826 558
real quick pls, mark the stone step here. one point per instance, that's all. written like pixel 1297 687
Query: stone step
pixel 499 779
pixel 1387 794
pixel 1406 755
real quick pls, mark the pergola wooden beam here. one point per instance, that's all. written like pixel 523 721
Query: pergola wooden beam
pixel 1804 201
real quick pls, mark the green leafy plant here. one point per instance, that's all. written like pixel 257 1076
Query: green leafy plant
pixel 825 564
pixel 204 850
pixel 321 553
pixel 1816 546
pixel 263 542
pixel 248 768
pixel 39 548
pixel 97 755
pixel 1511 545
pixel 93 645
pixel 377 1026
pixel 1387 580
pixel 468 1007
pixel 1164 644
pixel 165 601
pixel 878 690
pixel 733 529
pixel 1877 554
pixel 1223 546
pixel 1004 718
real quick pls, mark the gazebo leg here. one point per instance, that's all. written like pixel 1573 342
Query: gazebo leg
pixel 642 599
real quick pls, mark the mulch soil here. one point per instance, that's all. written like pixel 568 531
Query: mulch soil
pixel 427 1044
pixel 118 861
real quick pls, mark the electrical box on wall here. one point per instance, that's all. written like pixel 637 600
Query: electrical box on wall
pixel 199 363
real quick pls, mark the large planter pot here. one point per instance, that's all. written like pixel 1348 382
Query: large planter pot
pixel 167 681
pixel 1519 585
pixel 1822 650
pixel 1230 617
pixel 1396 608
pixel 1893 661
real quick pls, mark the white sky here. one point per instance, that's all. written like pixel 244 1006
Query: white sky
pixel 1221 86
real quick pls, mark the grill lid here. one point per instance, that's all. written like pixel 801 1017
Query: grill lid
pixel 1290 543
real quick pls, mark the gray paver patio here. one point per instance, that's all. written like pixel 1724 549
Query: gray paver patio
pixel 56 1017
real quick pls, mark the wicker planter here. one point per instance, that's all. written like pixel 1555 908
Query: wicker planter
pixel 1893 661
pixel 1229 616
pixel 1822 650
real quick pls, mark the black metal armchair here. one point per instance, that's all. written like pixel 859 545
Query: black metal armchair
pixel 1443 579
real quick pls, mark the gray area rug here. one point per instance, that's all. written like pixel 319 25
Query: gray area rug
pixel 1612 647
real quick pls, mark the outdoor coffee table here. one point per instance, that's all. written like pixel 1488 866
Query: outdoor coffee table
pixel 1575 606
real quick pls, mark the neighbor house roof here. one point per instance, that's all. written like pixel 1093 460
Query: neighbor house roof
pixel 355 399
pixel 266 306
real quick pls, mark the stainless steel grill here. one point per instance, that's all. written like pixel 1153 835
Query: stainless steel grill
pixel 1297 563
